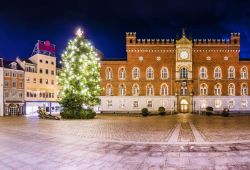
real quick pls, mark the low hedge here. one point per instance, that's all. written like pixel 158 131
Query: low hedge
pixel 161 110
pixel 78 114
pixel 144 112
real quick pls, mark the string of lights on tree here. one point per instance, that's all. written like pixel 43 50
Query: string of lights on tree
pixel 80 75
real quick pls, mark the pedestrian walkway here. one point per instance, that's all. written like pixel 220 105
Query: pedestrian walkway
pixel 113 142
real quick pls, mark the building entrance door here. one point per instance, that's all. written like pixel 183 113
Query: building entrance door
pixel 184 106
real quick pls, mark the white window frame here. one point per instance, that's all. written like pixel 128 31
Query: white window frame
pixel 231 104
pixel 217 103
pixel 203 73
pixel 164 91
pixel 122 91
pixel 122 73
pixel 231 89
pixel 217 73
pixel 149 104
pixel 149 91
pixel 164 73
pixel 203 89
pixel 150 73
pixel 244 89
pixel 133 90
pixel 135 73
pixel 183 73
pixel 243 75
pixel 135 104
pixel 109 90
pixel 244 104
pixel 217 91
pixel 231 72
pixel 109 73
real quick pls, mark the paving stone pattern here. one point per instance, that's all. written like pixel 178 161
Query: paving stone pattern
pixel 145 143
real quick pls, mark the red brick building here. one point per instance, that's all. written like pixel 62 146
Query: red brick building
pixel 182 75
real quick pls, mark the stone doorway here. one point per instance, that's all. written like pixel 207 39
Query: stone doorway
pixel 184 106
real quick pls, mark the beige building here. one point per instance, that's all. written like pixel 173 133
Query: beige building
pixel 41 89
pixel 1 87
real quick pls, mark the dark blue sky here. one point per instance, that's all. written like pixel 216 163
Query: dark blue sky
pixel 24 22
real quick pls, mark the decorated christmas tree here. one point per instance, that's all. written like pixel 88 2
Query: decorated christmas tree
pixel 79 78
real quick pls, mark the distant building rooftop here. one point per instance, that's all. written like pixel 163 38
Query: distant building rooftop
pixel 7 64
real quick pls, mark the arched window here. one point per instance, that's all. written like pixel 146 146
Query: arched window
pixel 203 89
pixel 135 90
pixel 122 90
pixel 150 90
pixel 203 73
pixel 164 90
pixel 109 90
pixel 150 73
pixel 217 73
pixel 183 73
pixel 109 73
pixel 217 89
pixel 122 73
pixel 231 72
pixel 244 89
pixel 231 89
pixel 164 73
pixel 136 73
pixel 243 72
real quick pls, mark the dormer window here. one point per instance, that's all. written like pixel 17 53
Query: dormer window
pixel 13 65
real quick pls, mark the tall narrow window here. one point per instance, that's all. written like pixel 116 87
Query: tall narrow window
pixel 150 73
pixel 203 89
pixel 243 72
pixel 109 74
pixel 244 89
pixel 164 73
pixel 231 89
pixel 203 73
pixel 122 73
pixel 135 90
pixel 136 73
pixel 150 90
pixel 164 90
pixel 183 73
pixel 109 90
pixel 231 72
pixel 217 89
pixel 122 90
pixel 217 73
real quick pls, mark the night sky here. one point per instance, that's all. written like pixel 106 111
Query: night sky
pixel 23 22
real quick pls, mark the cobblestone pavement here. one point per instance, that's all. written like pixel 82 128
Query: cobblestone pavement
pixel 121 142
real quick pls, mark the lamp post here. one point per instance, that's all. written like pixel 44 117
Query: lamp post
pixel 175 103
pixel 192 94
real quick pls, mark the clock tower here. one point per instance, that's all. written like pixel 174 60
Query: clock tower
pixel 184 89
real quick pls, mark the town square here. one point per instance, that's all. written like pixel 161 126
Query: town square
pixel 124 85
pixel 182 141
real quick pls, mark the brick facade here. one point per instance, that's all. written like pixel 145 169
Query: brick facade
pixel 159 53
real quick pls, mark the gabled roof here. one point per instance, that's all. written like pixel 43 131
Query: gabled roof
pixel 7 64
pixel 28 61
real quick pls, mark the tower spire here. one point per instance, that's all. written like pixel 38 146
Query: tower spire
pixel 183 32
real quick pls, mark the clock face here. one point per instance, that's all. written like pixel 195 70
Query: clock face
pixel 184 55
